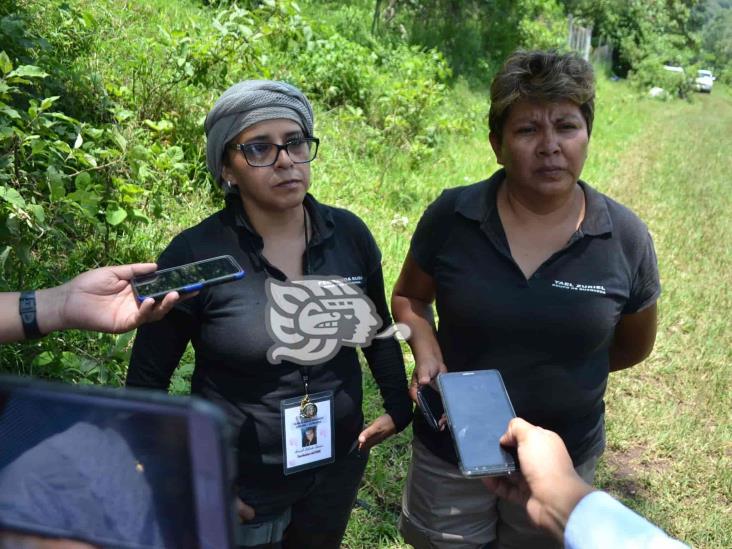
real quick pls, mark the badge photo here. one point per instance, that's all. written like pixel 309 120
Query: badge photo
pixel 308 436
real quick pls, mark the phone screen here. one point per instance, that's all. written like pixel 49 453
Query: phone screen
pixel 188 278
pixel 112 468
pixel 478 411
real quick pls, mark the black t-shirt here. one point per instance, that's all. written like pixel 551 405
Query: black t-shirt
pixel 226 325
pixel 549 336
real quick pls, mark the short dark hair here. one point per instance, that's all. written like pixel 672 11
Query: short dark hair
pixel 541 76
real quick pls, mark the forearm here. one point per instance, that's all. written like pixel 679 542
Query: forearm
pixel 622 358
pixel 633 340
pixel 601 522
pixel 387 366
pixel 418 316
pixel 558 510
pixel 49 313
pixel 385 360
pixel 11 328
pixel 626 352
pixel 157 351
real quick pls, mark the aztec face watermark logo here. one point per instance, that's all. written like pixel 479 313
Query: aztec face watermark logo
pixel 310 319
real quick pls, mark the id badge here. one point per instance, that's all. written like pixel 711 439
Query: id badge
pixel 308 438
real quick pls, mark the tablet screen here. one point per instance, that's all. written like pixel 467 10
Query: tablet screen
pixel 106 468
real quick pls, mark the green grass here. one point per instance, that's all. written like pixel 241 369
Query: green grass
pixel 669 428
pixel 669 432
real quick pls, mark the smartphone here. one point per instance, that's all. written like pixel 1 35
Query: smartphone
pixel 114 467
pixel 430 403
pixel 478 411
pixel 187 278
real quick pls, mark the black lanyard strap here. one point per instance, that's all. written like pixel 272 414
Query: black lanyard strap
pixel 305 374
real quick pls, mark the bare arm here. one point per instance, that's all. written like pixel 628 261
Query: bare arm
pixel 635 335
pixel 101 300
pixel 550 490
pixel 411 304
pixel 548 487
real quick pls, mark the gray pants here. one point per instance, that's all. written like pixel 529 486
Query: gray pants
pixel 441 509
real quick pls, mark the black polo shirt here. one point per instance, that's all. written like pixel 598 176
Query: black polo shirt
pixel 549 336
pixel 226 325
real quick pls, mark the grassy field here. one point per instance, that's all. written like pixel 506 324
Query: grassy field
pixel 669 432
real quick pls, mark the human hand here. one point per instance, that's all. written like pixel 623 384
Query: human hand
pixel 101 300
pixel 548 486
pixel 425 373
pixel 245 512
pixel 379 429
pixel 19 540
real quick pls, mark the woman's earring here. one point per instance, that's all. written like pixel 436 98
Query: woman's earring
pixel 228 185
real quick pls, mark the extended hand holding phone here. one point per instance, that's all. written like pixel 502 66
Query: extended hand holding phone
pixel 478 411
pixel 187 278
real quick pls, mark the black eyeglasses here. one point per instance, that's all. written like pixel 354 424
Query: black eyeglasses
pixel 260 155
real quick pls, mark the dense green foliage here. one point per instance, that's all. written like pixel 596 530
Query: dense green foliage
pixel 102 161
pixel 476 36
pixel 714 19
pixel 95 155
pixel 646 34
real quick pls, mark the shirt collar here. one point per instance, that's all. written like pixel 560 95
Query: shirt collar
pixel 597 220
pixel 478 202
pixel 320 217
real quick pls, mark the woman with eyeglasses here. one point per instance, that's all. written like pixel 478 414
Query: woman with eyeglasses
pixel 276 364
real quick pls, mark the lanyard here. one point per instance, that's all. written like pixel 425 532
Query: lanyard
pixel 307 239
pixel 308 409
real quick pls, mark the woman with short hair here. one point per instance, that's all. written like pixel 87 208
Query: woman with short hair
pixel 267 347
pixel 534 273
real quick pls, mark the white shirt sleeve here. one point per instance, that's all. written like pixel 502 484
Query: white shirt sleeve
pixel 601 522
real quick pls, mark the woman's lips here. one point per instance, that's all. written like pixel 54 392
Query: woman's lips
pixel 550 171
pixel 289 183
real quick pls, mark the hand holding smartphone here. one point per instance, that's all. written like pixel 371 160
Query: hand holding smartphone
pixel 478 411
pixel 430 403
pixel 187 278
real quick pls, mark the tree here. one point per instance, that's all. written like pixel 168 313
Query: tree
pixel 641 29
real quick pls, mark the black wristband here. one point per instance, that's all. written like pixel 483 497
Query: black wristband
pixel 27 308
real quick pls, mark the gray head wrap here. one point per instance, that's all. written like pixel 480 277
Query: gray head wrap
pixel 247 103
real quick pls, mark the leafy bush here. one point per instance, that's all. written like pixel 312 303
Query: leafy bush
pixel 650 73
pixel 411 88
pixel 475 37
pixel 336 71
pixel 90 154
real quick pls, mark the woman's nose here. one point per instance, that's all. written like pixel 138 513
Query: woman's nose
pixel 283 159
pixel 548 143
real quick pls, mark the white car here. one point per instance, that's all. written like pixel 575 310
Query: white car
pixel 704 81
pixel 672 68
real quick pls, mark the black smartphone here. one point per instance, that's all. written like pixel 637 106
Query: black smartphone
pixel 478 411
pixel 114 467
pixel 187 278
pixel 430 403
